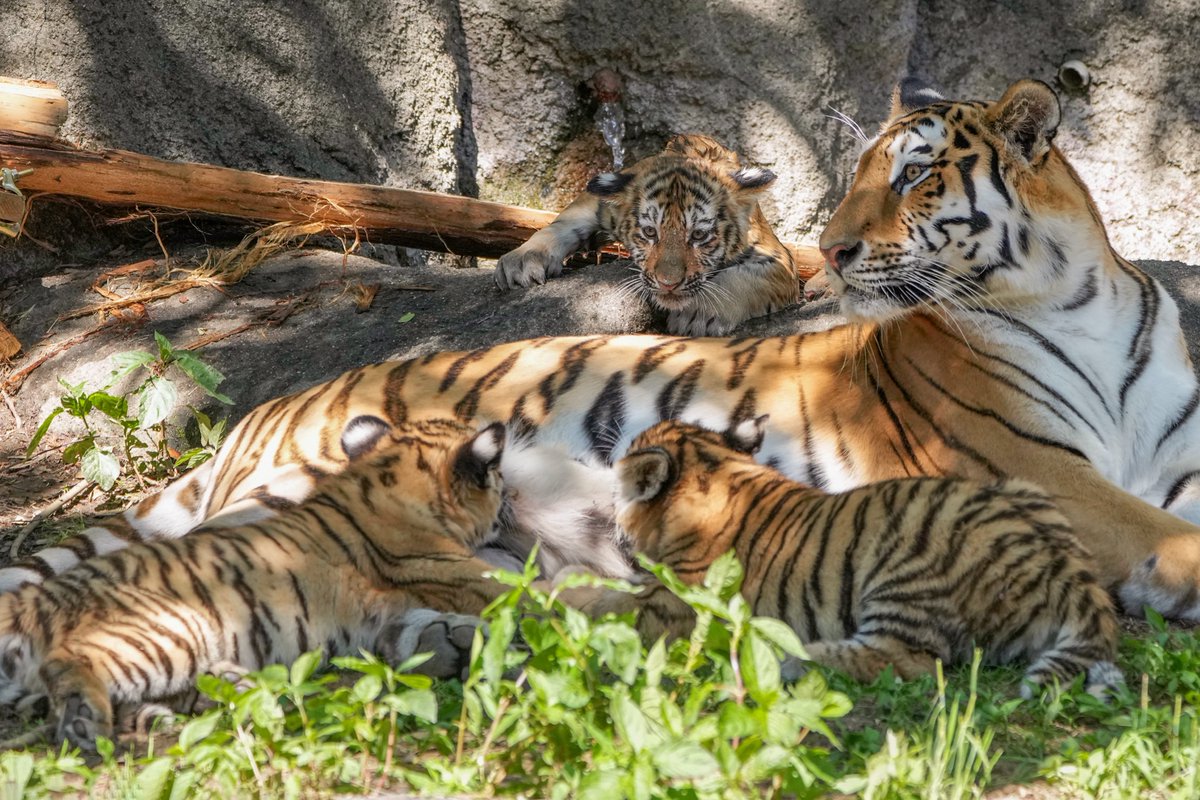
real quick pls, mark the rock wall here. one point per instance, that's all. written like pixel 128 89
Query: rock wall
pixel 490 97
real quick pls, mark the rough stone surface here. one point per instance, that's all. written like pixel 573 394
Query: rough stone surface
pixel 490 96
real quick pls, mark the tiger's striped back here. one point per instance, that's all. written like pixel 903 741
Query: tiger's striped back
pixel 900 572
pixel 395 532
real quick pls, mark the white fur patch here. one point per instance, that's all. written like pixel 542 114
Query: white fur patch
pixel 12 578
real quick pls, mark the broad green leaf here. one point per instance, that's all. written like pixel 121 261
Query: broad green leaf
pixel 304 666
pixel 198 729
pixel 153 780
pixel 205 376
pixel 155 401
pixel 100 467
pixel 125 363
pixel 111 406
pixel 684 759
pixel 76 450
pixel 760 667
pixel 736 721
pixel 165 351
pixel 601 785
pixel 619 647
pixel 16 768
pixel 419 703
pixel 367 688
pixel 770 760
pixel 564 689
pixel 407 316
pixel 41 431
pixel 780 634
pixel 104 748
pixel 184 785
pixel 724 576
pixel 629 720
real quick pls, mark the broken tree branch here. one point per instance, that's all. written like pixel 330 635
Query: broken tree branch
pixel 36 108
pixel 460 225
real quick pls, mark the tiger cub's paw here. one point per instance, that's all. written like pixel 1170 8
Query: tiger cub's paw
pixel 539 258
pixel 700 322
pixel 81 724
pixel 447 636
pixel 816 287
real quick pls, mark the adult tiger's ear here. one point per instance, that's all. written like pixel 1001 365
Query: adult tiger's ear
pixel 643 474
pixel 751 180
pixel 480 455
pixel 910 94
pixel 606 184
pixel 362 434
pixel 1027 116
pixel 747 435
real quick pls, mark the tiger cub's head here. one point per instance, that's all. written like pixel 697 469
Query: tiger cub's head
pixel 962 204
pixel 683 216
pixel 438 475
pixel 674 490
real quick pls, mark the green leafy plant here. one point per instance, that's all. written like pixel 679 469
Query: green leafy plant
pixel 582 709
pixel 141 435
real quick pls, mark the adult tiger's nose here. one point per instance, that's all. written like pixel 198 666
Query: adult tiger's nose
pixel 837 256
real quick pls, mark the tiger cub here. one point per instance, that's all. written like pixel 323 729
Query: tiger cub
pixel 394 532
pixel 689 218
pixel 900 572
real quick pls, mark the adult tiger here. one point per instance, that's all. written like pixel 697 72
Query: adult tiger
pixel 896 573
pixel 996 335
pixel 689 218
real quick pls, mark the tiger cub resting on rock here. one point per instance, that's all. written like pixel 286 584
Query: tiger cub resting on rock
pixel 394 532
pixel 689 218
pixel 899 573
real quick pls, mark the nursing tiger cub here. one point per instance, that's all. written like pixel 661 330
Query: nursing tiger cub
pixel 996 335
pixel 393 533
pixel 897 573
pixel 689 218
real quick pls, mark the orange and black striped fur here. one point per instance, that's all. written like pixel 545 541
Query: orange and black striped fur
pixel 899 573
pixel 395 532
pixel 689 218
pixel 996 336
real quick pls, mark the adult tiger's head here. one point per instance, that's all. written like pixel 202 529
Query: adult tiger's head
pixel 436 474
pixel 683 216
pixel 963 204
pixel 675 474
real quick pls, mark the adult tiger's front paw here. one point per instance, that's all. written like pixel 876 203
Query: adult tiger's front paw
pixel 1167 581
pixel 447 637
pixel 539 258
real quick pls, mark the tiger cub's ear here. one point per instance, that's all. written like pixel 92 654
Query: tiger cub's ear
pixel 751 180
pixel 747 435
pixel 478 457
pixel 642 475
pixel 362 434
pixel 1027 116
pixel 606 184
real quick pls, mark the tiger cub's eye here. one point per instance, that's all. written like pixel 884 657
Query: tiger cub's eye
pixel 700 235
pixel 649 232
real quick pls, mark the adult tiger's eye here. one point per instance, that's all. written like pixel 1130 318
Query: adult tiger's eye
pixel 913 171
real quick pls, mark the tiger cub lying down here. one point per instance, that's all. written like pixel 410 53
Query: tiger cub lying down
pixel 900 572
pixel 689 217
pixel 394 532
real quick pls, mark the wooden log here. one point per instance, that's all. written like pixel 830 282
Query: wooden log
pixel 433 221
pixel 36 108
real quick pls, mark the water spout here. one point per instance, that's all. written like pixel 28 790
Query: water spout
pixel 610 113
